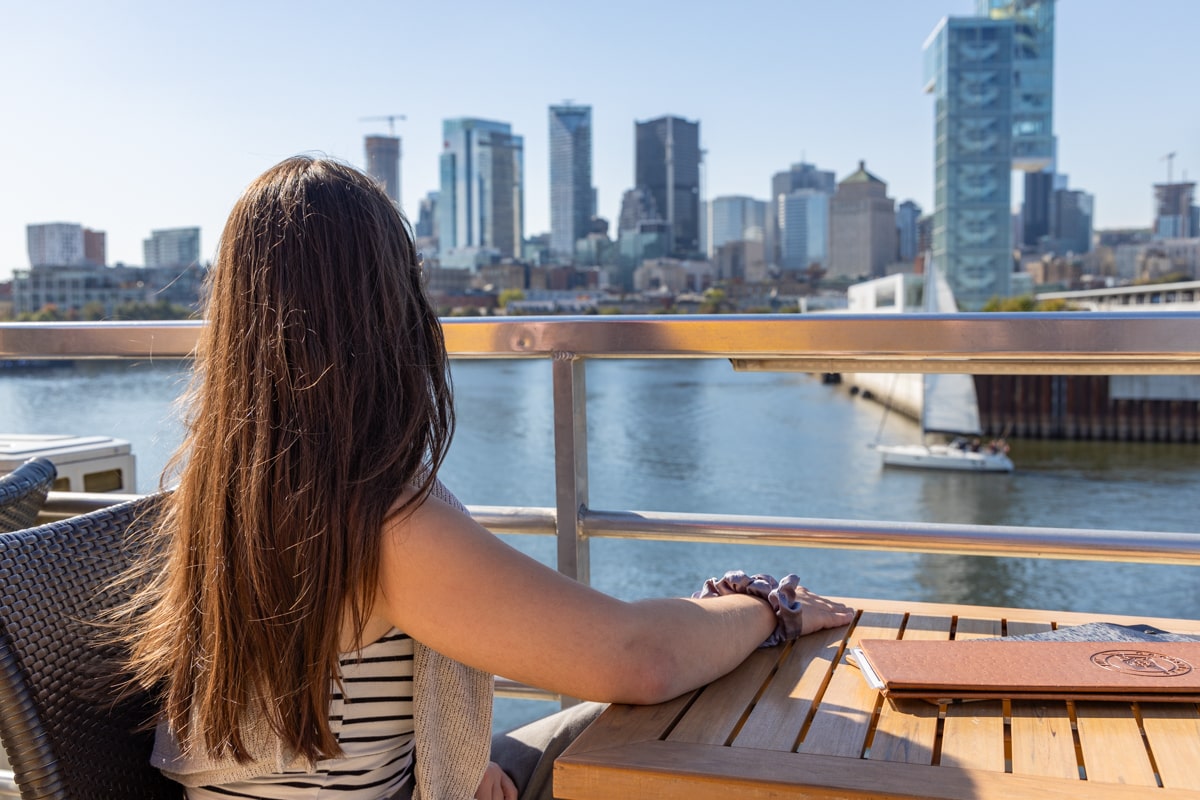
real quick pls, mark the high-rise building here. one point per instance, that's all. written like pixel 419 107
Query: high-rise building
pixel 172 247
pixel 481 203
pixel 970 73
pixel 862 227
pixel 57 244
pixel 1035 211
pixel 734 218
pixel 992 80
pixel 572 196
pixel 803 226
pixel 1174 210
pixel 383 163
pixel 799 176
pixel 668 166
pixel 426 226
pixel 1071 213
pixel 907 233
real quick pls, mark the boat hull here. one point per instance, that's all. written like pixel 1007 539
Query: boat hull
pixel 943 457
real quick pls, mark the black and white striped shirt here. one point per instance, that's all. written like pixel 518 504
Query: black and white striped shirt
pixel 373 723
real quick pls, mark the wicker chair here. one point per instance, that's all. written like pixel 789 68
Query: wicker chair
pixel 66 736
pixel 23 492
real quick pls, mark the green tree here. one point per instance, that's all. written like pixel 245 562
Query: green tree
pixel 509 295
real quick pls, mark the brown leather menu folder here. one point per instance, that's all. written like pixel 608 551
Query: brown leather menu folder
pixel 1072 670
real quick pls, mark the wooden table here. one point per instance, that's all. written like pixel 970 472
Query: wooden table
pixel 799 721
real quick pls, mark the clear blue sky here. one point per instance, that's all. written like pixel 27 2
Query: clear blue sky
pixel 132 115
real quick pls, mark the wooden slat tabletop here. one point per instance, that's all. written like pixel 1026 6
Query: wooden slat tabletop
pixel 799 721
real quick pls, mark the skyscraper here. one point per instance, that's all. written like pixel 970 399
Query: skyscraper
pixel 383 163
pixel 862 226
pixel 803 226
pixel 907 215
pixel 992 80
pixel 969 71
pixel 734 218
pixel 572 197
pixel 799 176
pixel 668 166
pixel 1174 210
pixel 481 202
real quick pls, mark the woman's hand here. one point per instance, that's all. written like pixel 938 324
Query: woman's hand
pixel 821 612
pixel 496 785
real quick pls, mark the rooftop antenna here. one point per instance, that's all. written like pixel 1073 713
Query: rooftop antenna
pixel 391 121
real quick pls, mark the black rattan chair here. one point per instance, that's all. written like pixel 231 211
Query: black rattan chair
pixel 66 737
pixel 23 492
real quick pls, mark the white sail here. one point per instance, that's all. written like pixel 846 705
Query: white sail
pixel 949 404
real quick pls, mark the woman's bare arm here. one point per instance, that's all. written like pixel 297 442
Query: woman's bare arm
pixel 460 590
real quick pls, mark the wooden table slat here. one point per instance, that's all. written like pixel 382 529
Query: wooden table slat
pixel 907 729
pixel 973 733
pixel 843 717
pixel 1173 733
pixel 713 717
pixel 777 719
pixel 1112 744
pixel 1042 741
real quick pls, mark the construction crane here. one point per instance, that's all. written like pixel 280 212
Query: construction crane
pixel 1170 159
pixel 391 121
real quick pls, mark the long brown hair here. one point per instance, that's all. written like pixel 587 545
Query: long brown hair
pixel 322 391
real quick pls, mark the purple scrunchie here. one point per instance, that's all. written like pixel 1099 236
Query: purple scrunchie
pixel 780 594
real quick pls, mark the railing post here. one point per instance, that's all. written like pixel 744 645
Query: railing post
pixel 570 465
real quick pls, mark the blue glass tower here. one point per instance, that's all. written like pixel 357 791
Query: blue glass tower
pixel 481 198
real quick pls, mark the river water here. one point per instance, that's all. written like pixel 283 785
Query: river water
pixel 696 436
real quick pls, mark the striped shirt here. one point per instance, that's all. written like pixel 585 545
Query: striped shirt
pixel 373 723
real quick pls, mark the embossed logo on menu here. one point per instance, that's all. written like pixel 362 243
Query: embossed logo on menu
pixel 1142 662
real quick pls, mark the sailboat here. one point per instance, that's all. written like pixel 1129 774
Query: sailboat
pixel 949 407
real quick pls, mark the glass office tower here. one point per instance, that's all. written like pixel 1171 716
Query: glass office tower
pixel 481 199
pixel 667 156
pixel 572 197
pixel 969 70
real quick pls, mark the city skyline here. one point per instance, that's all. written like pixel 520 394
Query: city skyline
pixel 164 132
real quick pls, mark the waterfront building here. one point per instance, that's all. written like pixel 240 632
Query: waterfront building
pixel 481 199
pixel 1175 211
pixel 572 196
pixel 992 81
pixel 383 163
pixel 75 288
pixel 908 214
pixel 801 175
pixel 741 261
pixel 803 225
pixel 55 244
pixel 862 227
pixel 172 247
pixel 734 218
pixel 673 276
pixel 95 248
pixel 667 156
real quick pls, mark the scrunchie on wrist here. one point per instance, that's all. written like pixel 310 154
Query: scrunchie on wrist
pixel 780 594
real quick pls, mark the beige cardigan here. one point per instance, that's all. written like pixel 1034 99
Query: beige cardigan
pixel 452 721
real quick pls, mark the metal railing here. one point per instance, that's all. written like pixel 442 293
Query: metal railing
pixel 1120 343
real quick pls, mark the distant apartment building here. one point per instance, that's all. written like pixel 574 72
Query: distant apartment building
pixel 862 227
pixel 172 247
pixel 75 288
pixel 572 195
pixel 383 163
pixel 667 165
pixel 908 215
pixel 734 218
pixel 95 247
pixel 673 276
pixel 481 199
pixel 801 175
pixel 803 225
pixel 55 243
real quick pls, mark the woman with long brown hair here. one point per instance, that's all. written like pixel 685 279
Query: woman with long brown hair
pixel 323 616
